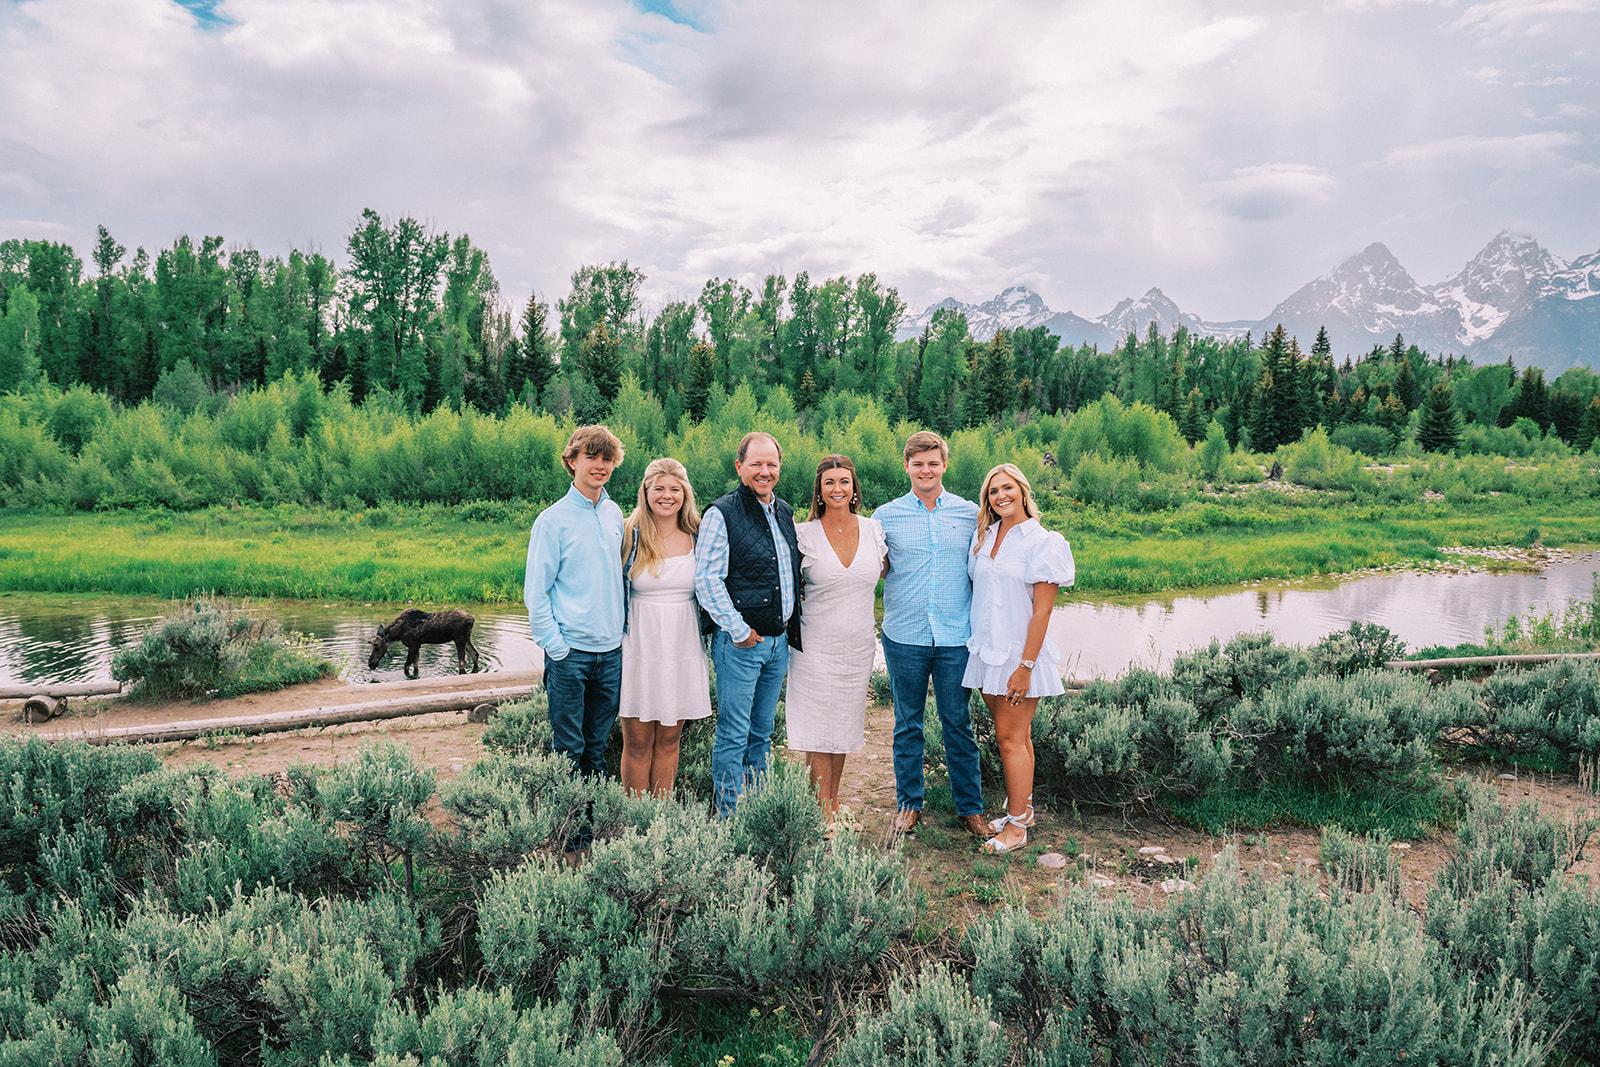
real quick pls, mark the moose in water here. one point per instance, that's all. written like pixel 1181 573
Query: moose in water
pixel 414 628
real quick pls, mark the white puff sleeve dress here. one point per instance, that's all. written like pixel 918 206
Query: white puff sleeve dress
pixel 1002 606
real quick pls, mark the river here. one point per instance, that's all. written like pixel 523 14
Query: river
pixel 71 638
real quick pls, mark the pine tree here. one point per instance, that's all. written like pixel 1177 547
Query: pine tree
pixel 702 375
pixel 600 357
pixel 1193 418
pixel 1392 416
pixel 994 388
pixel 1439 424
pixel 1321 348
pixel 1531 401
pixel 1406 387
pixel 538 357
pixel 1588 427
pixel 1263 420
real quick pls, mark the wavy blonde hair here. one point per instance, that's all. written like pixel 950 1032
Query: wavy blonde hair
pixel 986 515
pixel 649 545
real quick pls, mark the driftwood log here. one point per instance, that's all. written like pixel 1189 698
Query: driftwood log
pixel 294 720
pixel 64 689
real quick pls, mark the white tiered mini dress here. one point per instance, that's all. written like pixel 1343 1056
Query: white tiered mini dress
pixel 664 673
pixel 1002 605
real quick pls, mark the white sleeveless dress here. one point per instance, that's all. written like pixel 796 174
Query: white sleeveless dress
pixel 826 708
pixel 664 674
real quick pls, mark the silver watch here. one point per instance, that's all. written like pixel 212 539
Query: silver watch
pixel 1028 663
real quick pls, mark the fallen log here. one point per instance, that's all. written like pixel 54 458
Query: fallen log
pixel 62 689
pixel 278 722
pixel 1485 661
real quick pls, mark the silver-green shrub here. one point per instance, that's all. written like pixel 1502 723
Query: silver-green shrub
pixel 476 1027
pixel 932 1020
pixel 1243 970
pixel 210 647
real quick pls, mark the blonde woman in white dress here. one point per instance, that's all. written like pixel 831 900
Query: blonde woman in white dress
pixel 1016 568
pixel 665 682
pixel 842 558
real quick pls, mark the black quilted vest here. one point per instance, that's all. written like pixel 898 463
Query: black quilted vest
pixel 753 563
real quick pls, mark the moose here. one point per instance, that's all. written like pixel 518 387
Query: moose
pixel 414 628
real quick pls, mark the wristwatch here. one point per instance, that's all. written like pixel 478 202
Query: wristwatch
pixel 1028 663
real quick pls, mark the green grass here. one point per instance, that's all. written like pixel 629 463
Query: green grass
pixel 1199 545
pixel 1406 812
pixel 285 552
pixel 734 1036
pixel 441 554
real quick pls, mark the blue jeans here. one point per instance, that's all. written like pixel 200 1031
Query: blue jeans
pixel 748 682
pixel 583 690
pixel 910 667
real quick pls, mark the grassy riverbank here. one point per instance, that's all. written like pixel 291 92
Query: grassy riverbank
pixel 476 552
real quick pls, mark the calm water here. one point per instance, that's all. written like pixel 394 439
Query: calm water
pixel 72 638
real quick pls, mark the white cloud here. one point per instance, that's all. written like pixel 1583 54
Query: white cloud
pixel 1502 153
pixel 1523 18
pixel 1092 149
pixel 1272 190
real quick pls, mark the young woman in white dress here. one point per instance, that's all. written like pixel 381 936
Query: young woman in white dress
pixel 842 558
pixel 1016 568
pixel 665 681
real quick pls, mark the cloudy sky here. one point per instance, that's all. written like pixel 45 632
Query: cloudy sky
pixel 1226 151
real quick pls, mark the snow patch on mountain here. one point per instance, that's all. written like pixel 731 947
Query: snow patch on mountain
pixel 1513 298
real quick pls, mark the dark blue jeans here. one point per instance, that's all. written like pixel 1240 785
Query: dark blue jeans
pixel 748 682
pixel 583 690
pixel 910 669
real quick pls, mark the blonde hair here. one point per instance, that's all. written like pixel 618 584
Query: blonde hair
pixel 649 554
pixel 986 515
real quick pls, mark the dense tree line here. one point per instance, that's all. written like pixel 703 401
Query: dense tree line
pixel 418 319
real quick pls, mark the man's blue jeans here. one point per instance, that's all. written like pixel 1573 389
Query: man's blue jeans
pixel 910 668
pixel 748 682
pixel 583 690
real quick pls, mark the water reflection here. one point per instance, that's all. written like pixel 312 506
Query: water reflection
pixel 1104 636
pixel 72 638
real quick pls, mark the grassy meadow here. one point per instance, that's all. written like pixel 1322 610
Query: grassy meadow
pixel 476 552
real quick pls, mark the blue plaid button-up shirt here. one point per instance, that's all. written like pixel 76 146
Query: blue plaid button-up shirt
pixel 927 598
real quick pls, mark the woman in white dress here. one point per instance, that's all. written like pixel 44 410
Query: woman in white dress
pixel 1016 568
pixel 842 557
pixel 664 677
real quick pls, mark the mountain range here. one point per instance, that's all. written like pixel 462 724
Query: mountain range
pixel 1512 300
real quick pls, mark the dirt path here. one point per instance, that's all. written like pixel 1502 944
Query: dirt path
pixel 443 740
pixel 958 881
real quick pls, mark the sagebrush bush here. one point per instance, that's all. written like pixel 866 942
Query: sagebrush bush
pixel 931 1020
pixel 1241 971
pixel 209 647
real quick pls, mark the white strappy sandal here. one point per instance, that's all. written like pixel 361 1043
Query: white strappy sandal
pixel 994 844
pixel 1026 821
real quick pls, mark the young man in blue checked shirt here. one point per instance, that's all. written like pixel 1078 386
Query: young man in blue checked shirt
pixel 927 604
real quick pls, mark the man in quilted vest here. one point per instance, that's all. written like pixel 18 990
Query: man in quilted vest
pixel 747 570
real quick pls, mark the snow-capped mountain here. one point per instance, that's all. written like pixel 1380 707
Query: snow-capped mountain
pixel 1513 299
pixel 1020 308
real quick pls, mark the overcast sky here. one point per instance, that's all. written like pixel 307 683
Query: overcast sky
pixel 1227 152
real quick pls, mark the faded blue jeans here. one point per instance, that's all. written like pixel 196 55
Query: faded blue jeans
pixel 583 690
pixel 748 683
pixel 910 669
